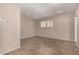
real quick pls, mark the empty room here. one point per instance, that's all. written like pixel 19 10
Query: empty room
pixel 39 29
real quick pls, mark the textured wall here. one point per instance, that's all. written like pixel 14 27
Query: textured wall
pixel 63 28
pixel 10 29
pixel 27 27
pixel 77 14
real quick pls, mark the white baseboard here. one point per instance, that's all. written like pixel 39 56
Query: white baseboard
pixel 58 38
pixel 8 51
pixel 28 37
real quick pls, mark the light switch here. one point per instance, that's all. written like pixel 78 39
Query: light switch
pixel 2 19
pixel 49 23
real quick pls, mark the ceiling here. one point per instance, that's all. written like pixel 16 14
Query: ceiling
pixel 47 10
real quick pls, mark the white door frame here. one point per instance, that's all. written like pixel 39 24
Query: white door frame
pixel 75 30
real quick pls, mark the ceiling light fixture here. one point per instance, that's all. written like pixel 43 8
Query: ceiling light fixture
pixel 37 9
pixel 59 11
pixel 55 4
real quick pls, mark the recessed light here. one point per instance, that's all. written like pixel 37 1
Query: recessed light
pixel 37 9
pixel 59 11
pixel 55 4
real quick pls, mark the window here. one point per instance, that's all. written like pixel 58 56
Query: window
pixel 48 23
pixel 43 24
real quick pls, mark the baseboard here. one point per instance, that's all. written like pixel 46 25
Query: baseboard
pixel 28 37
pixel 57 38
pixel 9 51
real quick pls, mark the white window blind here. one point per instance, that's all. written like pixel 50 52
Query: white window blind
pixel 43 24
pixel 48 23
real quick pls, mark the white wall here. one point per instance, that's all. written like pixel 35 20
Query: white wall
pixel 27 27
pixel 77 15
pixel 10 29
pixel 63 28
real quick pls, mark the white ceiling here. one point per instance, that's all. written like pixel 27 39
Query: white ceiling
pixel 46 10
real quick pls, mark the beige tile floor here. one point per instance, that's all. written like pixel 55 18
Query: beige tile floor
pixel 45 46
